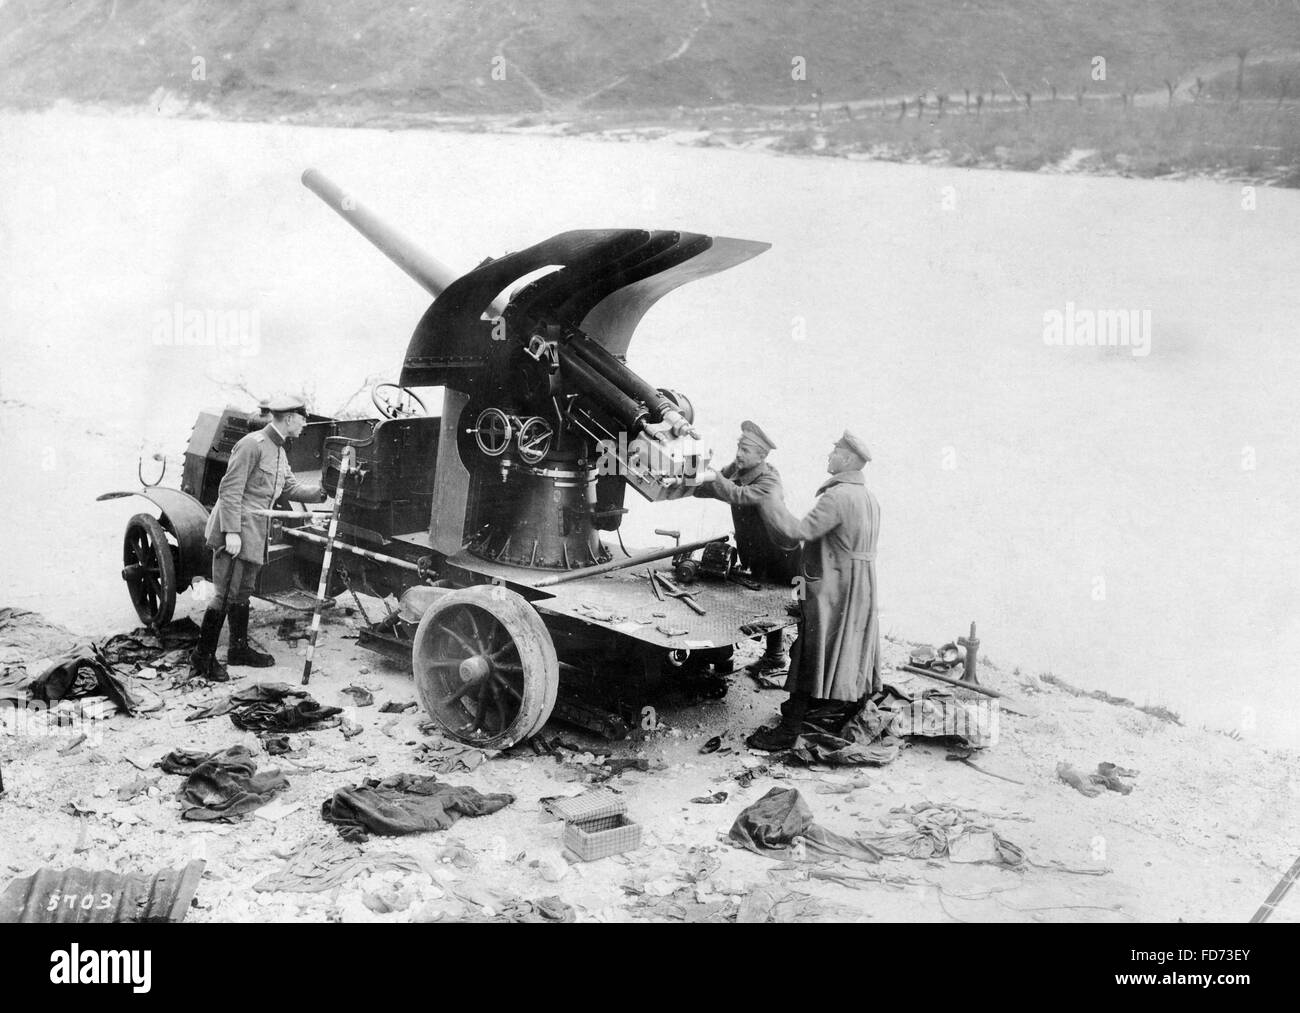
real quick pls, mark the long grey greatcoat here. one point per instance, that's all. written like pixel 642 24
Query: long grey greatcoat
pixel 837 655
pixel 257 475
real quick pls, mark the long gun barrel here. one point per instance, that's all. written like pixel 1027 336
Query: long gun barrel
pixel 431 274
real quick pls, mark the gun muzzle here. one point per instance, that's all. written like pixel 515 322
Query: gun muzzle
pixel 430 273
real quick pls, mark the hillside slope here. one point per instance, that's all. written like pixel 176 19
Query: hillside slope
pixel 503 56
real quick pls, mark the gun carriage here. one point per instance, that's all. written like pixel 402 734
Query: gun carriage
pixel 485 522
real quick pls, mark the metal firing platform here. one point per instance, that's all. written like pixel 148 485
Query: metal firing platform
pixel 625 597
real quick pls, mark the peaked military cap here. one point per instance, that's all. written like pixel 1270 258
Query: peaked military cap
pixel 284 405
pixel 851 442
pixel 751 432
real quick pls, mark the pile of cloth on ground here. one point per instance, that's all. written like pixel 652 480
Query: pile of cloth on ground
pixel 322 863
pixel 840 735
pixel 937 830
pixel 405 804
pixel 75 669
pixel 165 648
pixel 773 825
pixel 271 707
pixel 925 830
pixel 222 785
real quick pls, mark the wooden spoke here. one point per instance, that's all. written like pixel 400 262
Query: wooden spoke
pixel 506 648
pixel 482 706
pixel 466 646
pixel 473 623
pixel 509 689
pixel 494 698
pixel 448 700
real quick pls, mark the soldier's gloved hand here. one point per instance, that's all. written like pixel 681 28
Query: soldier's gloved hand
pixel 233 543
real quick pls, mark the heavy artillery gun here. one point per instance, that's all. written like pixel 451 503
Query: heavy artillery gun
pixel 485 522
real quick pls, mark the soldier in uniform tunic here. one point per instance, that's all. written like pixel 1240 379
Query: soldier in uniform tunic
pixel 256 476
pixel 836 656
pixel 745 484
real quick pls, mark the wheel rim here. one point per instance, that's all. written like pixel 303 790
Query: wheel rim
pixel 149 570
pixel 485 667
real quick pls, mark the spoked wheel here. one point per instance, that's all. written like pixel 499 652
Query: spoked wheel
pixel 485 666
pixel 149 569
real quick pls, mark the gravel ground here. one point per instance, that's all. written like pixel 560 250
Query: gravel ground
pixel 1198 838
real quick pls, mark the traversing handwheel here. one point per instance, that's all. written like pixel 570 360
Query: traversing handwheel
pixel 534 439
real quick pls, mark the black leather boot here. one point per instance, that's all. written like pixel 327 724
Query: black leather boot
pixel 782 736
pixel 203 659
pixel 241 651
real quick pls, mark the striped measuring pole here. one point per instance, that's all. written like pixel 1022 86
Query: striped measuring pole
pixel 327 563
pixel 1281 890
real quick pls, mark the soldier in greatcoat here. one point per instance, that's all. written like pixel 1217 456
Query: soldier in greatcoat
pixel 836 656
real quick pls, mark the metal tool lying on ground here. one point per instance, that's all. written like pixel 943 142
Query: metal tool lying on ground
pixel 673 591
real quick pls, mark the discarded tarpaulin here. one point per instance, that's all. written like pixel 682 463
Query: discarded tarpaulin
pixel 864 739
pixel 446 757
pixel 468 902
pixel 405 804
pixel 323 863
pixel 297 713
pixel 79 673
pixel 168 647
pixel 542 911
pixel 837 752
pixel 183 761
pixel 766 904
pixel 874 734
pixel 935 830
pixel 270 707
pixel 78 896
pixel 74 669
pixel 939 714
pixel 773 824
pixel 27 636
pixel 224 785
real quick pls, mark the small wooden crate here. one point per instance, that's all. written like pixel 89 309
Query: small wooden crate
pixel 596 825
